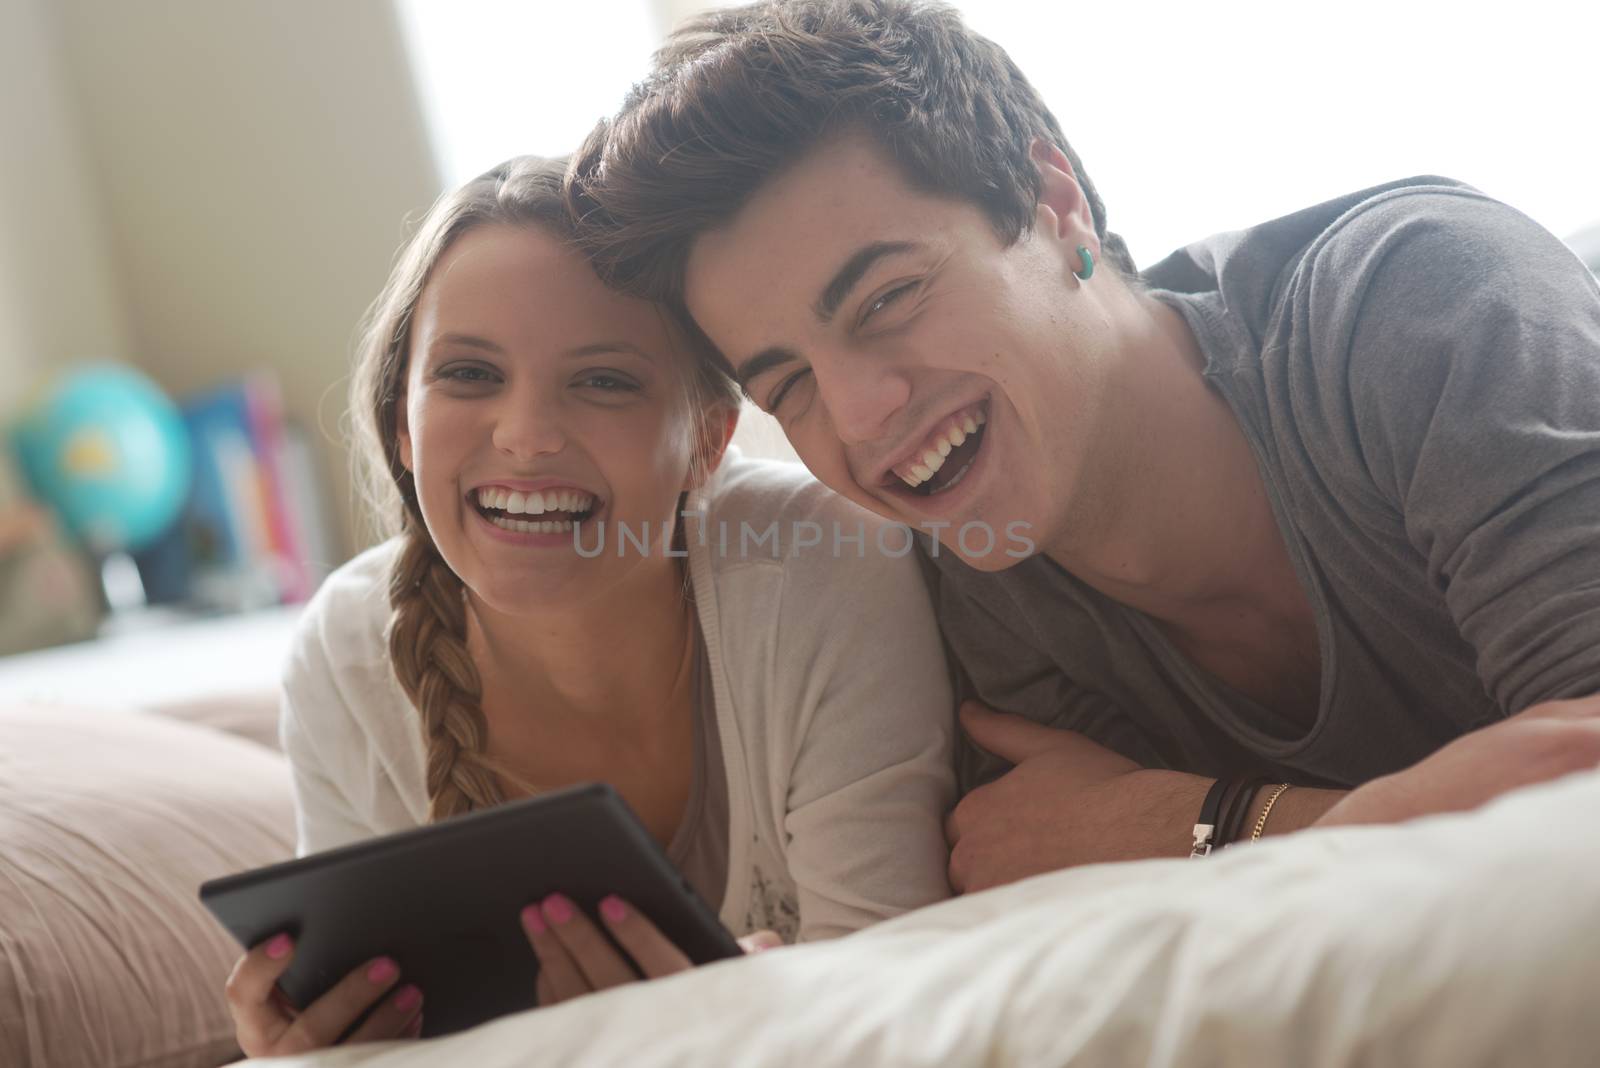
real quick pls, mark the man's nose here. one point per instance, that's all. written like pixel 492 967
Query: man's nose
pixel 529 425
pixel 862 395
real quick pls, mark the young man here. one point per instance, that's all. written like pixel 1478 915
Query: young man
pixel 1311 501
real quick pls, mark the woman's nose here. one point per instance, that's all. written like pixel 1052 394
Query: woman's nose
pixel 528 426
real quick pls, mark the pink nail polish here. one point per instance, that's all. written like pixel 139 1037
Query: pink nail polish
pixel 408 999
pixel 532 921
pixel 558 909
pixel 382 970
pixel 279 947
pixel 613 909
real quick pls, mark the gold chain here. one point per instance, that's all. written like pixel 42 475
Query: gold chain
pixel 1261 820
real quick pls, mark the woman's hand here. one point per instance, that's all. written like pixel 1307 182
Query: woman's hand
pixel 575 958
pixel 268 1026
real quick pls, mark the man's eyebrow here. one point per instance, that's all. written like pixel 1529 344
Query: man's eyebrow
pixel 762 362
pixel 845 279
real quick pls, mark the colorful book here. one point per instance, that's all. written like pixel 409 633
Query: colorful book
pixel 246 540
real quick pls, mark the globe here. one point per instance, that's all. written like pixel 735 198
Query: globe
pixel 106 448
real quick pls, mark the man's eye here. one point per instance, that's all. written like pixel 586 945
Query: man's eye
pixel 887 299
pixel 776 400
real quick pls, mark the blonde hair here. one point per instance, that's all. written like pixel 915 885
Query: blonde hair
pixel 428 627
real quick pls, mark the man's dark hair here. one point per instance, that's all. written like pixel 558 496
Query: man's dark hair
pixel 737 95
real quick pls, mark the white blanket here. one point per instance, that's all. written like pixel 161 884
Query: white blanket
pixel 1454 941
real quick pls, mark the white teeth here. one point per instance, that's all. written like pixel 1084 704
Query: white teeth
pixel 522 526
pixel 933 459
pixel 981 418
pixel 518 503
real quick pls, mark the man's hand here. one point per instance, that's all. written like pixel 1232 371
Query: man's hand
pixel 1068 801
pixel 1541 743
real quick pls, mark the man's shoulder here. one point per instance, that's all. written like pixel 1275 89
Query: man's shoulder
pixel 1248 267
pixel 1429 239
pixel 1415 286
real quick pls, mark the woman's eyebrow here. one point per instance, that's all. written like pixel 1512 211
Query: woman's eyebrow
pixel 468 340
pixel 598 348
pixel 602 348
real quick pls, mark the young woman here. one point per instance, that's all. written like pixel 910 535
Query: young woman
pixel 777 714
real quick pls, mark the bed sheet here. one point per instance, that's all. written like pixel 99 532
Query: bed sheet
pixel 1457 940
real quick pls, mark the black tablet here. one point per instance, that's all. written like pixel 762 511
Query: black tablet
pixel 444 901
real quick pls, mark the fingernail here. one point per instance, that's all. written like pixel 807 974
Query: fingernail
pixel 532 921
pixel 279 947
pixel 408 998
pixel 613 909
pixel 558 909
pixel 383 969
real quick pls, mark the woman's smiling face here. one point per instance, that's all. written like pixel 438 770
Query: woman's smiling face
pixel 534 397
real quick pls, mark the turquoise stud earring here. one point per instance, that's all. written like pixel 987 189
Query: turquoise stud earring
pixel 1088 264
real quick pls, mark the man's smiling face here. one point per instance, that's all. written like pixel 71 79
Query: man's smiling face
pixel 918 365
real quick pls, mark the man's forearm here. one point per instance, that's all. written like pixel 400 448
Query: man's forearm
pixel 1296 808
pixel 1179 796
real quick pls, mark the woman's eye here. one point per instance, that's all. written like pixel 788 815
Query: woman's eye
pixel 887 299
pixel 607 382
pixel 776 400
pixel 465 372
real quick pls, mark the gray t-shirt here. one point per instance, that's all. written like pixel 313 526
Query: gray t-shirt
pixel 1417 369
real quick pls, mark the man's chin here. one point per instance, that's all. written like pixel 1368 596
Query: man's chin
pixel 991 560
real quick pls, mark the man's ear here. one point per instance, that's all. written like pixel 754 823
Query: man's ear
pixel 716 430
pixel 1063 209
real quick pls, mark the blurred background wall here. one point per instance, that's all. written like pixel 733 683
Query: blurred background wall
pixel 206 189
pixel 60 288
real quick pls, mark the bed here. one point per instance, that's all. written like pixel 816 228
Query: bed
pixel 1462 940
pixel 1457 941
